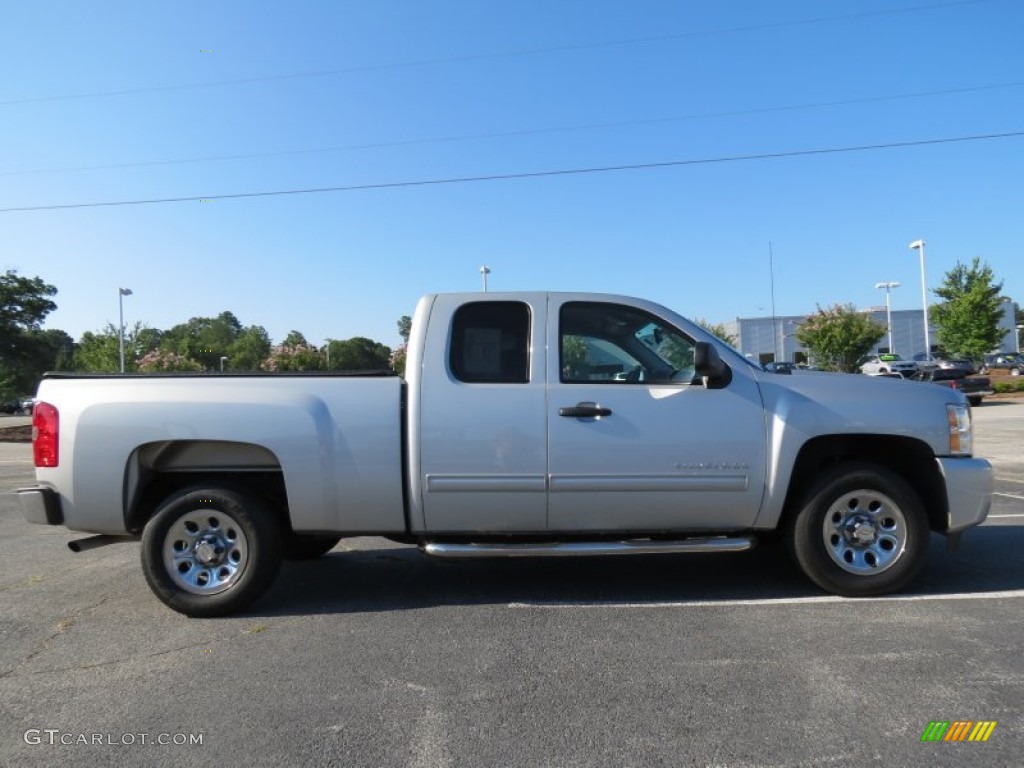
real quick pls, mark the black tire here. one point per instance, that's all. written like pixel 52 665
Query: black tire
pixel 861 531
pixel 974 400
pixel 211 551
pixel 308 546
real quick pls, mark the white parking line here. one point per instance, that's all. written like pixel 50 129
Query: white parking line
pixel 1009 496
pixel 998 517
pixel 816 600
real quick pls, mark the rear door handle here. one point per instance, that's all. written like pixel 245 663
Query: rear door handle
pixel 584 411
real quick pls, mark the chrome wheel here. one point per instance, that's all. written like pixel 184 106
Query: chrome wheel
pixel 205 551
pixel 864 532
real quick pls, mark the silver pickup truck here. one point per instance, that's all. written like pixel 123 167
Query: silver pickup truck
pixel 529 424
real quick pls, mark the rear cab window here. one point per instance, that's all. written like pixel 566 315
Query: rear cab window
pixel 490 343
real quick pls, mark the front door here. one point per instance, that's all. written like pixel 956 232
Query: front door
pixel 634 444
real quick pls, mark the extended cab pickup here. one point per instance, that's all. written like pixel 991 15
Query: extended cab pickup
pixel 528 424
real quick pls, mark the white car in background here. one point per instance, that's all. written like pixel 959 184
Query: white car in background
pixel 878 365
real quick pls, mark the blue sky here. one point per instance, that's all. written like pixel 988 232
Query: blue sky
pixel 397 90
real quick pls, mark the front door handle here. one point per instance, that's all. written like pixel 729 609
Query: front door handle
pixel 584 411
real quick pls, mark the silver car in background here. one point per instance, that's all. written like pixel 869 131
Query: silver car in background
pixel 878 365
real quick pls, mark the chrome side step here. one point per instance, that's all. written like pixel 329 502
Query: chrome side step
pixel 572 548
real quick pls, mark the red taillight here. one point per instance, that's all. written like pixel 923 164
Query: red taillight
pixel 45 434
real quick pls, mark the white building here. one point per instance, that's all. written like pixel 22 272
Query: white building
pixel 766 339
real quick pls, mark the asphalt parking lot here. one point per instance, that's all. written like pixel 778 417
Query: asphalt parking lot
pixel 376 655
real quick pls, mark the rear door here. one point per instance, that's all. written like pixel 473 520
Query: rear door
pixel 482 416
pixel 633 444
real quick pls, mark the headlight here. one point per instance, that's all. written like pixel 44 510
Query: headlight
pixel 961 441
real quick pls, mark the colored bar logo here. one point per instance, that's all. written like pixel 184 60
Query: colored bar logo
pixel 958 730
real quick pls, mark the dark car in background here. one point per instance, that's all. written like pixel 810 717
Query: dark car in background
pixel 1003 361
pixel 924 362
pixel 974 388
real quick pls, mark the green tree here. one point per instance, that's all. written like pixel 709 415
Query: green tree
pixel 249 350
pixel 399 358
pixel 24 352
pixel 405 327
pixel 24 303
pixel 37 352
pixel 99 351
pixel 205 339
pixel 717 330
pixel 967 320
pixel 840 337
pixel 294 339
pixel 359 354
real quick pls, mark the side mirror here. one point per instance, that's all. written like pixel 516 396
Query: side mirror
pixel 710 367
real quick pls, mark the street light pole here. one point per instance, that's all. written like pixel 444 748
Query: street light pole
pixel 121 293
pixel 222 359
pixel 484 272
pixel 918 245
pixel 888 309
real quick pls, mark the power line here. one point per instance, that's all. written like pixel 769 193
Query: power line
pixel 524 132
pixel 526 175
pixel 501 55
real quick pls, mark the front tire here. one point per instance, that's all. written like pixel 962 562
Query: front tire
pixel 211 551
pixel 861 531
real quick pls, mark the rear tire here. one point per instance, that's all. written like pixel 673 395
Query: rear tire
pixel 300 546
pixel 975 401
pixel 862 530
pixel 211 551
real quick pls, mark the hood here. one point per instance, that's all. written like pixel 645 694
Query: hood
pixel 820 403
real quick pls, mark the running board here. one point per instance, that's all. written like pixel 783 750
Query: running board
pixel 572 548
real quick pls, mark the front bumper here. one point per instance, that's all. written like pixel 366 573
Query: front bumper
pixel 41 505
pixel 969 484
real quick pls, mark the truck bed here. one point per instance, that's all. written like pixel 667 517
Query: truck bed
pixel 335 441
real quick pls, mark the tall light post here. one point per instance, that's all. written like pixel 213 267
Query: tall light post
pixel 121 293
pixel 918 245
pixel 888 309
pixel 484 272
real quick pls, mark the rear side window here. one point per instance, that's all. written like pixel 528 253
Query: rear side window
pixel 491 343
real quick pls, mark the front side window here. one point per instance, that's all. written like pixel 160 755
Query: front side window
pixel 490 343
pixel 616 344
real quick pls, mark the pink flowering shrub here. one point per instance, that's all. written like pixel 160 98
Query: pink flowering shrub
pixel 159 361
pixel 298 357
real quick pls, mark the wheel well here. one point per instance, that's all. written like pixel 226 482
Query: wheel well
pixel 158 470
pixel 912 459
pixel 269 486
